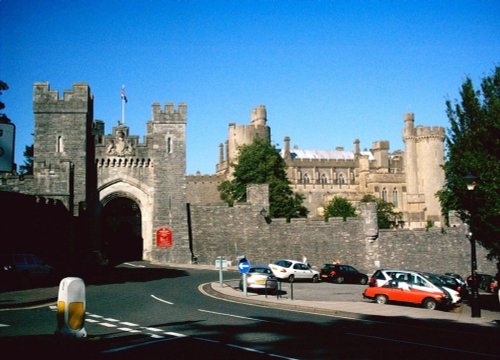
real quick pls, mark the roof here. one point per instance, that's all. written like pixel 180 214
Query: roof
pixel 327 154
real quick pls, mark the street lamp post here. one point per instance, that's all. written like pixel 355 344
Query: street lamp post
pixel 471 182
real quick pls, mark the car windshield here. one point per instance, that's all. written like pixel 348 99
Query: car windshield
pixel 436 280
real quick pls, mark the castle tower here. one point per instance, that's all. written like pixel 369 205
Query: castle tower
pixel 63 164
pixel 380 151
pixel 286 154
pixel 424 157
pixel 240 135
pixel 167 137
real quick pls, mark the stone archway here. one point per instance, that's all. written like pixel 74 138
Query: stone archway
pixel 121 221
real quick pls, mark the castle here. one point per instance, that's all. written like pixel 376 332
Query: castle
pixel 409 179
pixel 135 196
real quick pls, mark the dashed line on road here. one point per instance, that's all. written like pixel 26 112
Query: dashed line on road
pixel 164 301
pixel 235 316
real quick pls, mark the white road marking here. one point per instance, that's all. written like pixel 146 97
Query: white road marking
pixel 174 334
pixel 231 315
pixel 95 316
pixel 155 336
pixel 245 348
pixel 152 329
pixel 128 323
pixel 130 330
pixel 110 319
pixel 135 265
pixel 164 301
pixel 107 325
pixel 4 325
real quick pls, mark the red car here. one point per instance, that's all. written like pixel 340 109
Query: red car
pixel 403 292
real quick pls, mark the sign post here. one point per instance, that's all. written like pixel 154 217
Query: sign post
pixel 243 267
pixel 220 263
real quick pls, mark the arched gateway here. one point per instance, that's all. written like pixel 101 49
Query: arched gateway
pixel 129 190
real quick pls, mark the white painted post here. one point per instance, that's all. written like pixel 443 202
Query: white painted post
pixel 71 307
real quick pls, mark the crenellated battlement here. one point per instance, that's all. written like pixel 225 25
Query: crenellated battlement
pixel 73 101
pixel 169 114
pixel 430 131
pixel 198 178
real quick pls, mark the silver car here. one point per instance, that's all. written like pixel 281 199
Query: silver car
pixel 260 277
pixel 292 270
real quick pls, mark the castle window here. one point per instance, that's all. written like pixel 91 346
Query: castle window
pixel 59 145
pixel 323 179
pixel 341 179
pixel 306 179
pixel 395 197
pixel 384 194
pixel 169 145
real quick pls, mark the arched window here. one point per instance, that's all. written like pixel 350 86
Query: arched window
pixel 384 194
pixel 341 179
pixel 306 179
pixel 395 197
pixel 60 144
pixel 323 179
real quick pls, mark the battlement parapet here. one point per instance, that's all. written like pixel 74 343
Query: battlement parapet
pixel 430 131
pixel 169 114
pixel 380 145
pixel 76 100
pixel 198 178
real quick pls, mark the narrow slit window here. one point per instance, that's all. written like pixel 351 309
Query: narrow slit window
pixel 60 144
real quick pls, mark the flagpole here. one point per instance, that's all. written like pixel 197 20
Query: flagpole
pixel 123 104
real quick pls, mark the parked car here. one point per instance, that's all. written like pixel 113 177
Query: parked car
pixel 485 282
pixel 23 269
pixel 259 277
pixel 342 274
pixel 397 291
pixel 292 270
pixel 417 279
pixel 455 284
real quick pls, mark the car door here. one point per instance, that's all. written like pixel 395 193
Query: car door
pixel 350 274
pixel 300 271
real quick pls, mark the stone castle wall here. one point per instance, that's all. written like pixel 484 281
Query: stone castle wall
pixel 242 230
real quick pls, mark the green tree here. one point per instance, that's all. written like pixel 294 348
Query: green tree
pixel 386 215
pixel 260 163
pixel 27 167
pixel 3 118
pixel 473 147
pixel 340 207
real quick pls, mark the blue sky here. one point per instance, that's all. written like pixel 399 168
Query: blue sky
pixel 328 72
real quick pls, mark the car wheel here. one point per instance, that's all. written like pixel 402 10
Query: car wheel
pixel 430 304
pixel 315 278
pixel 339 280
pixel 363 281
pixel 291 278
pixel 381 299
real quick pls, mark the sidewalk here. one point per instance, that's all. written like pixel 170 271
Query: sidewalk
pixel 352 309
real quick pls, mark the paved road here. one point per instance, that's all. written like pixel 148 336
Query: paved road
pixel 216 328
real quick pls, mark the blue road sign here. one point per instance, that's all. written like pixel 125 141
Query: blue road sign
pixel 243 266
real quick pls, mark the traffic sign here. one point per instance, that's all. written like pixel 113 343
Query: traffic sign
pixel 244 266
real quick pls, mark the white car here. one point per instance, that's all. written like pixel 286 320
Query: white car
pixel 292 270
pixel 415 279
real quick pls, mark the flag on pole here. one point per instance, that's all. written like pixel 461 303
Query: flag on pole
pixel 124 97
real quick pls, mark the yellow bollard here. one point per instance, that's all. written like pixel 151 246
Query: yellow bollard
pixel 71 307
